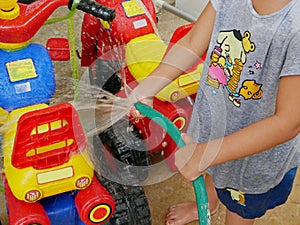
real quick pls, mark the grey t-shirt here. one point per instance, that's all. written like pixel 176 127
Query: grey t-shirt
pixel 246 58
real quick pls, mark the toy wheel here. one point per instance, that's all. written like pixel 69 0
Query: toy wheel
pixel 26 213
pixel 131 204
pixel 94 204
pixel 104 74
pixel 122 152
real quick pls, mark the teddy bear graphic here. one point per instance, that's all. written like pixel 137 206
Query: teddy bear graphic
pixel 227 61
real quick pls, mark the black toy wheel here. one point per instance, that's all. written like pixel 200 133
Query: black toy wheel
pixel 131 204
pixel 104 74
pixel 122 153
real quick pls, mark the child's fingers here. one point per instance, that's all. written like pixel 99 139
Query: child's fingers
pixel 135 113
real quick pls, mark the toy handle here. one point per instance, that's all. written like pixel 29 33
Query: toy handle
pixel 172 130
pixel 94 9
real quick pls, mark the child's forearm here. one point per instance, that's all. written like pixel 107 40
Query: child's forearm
pixel 181 55
pixel 269 132
pixel 178 59
pixel 193 159
pixel 251 140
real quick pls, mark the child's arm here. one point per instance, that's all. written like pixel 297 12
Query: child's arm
pixel 180 57
pixel 260 136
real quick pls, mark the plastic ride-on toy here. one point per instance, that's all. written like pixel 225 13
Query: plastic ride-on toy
pixel 45 155
pixel 121 54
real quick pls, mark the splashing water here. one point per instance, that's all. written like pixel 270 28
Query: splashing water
pixel 107 108
pixel 98 109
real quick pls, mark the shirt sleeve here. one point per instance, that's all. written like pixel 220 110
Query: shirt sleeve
pixel 215 4
pixel 291 64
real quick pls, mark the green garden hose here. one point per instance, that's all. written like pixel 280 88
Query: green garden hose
pixel 172 130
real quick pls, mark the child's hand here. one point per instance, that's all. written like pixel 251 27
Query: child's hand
pixel 145 92
pixel 138 95
pixel 134 112
pixel 188 159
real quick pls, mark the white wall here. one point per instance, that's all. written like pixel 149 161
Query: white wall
pixel 192 7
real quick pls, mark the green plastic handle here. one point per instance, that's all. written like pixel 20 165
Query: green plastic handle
pixel 172 130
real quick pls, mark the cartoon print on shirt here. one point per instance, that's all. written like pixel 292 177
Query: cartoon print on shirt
pixel 226 65
pixel 251 90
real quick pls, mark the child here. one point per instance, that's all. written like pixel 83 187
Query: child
pixel 246 117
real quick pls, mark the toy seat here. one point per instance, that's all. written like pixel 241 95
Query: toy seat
pixel 39 132
pixel 45 152
pixel 143 55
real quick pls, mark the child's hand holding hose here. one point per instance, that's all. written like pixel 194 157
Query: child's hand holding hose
pixel 189 158
pixel 188 149
pixel 145 92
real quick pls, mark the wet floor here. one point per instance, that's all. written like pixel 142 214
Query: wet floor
pixel 171 188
